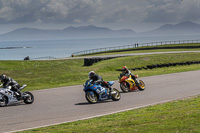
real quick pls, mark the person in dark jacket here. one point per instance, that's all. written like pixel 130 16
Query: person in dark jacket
pixel 7 81
pixel 99 80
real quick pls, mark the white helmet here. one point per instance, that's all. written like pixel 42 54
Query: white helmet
pixel 91 74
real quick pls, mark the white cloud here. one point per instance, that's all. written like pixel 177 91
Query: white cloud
pixel 172 10
pixel 98 11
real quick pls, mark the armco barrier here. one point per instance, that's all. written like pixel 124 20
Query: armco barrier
pixel 91 61
pixel 131 47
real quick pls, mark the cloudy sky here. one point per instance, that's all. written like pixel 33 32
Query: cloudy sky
pixel 138 15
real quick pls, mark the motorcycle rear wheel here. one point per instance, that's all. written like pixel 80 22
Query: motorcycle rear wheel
pixel 141 86
pixel 3 102
pixel 124 87
pixel 116 96
pixel 30 99
pixel 90 98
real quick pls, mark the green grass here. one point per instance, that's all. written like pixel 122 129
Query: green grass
pixel 181 116
pixel 44 74
pixel 56 73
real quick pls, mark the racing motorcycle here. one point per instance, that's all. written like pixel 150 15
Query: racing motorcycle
pixel 94 92
pixel 8 97
pixel 128 84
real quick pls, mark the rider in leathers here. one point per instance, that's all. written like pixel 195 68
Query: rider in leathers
pixel 99 80
pixel 7 81
pixel 126 72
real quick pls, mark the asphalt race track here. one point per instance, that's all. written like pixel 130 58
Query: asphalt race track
pixel 58 105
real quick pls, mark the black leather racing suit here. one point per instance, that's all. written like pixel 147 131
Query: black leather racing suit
pixel 98 79
pixel 15 86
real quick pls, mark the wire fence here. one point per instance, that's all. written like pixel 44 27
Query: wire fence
pixel 90 51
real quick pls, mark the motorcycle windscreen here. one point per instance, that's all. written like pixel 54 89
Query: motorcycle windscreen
pixel 111 82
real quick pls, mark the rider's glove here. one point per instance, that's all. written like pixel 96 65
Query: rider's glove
pixel 96 82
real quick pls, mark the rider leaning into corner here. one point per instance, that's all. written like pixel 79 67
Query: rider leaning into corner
pixel 126 72
pixel 7 81
pixel 99 80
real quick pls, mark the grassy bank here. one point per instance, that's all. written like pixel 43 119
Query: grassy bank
pixel 57 73
pixel 181 116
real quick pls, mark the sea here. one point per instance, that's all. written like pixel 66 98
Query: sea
pixel 49 49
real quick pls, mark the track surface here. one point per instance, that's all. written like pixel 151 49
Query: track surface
pixel 65 104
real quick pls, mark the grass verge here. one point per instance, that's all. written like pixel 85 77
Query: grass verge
pixel 181 116
pixel 56 73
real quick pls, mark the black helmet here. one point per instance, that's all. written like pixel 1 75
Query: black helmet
pixel 3 78
pixel 91 74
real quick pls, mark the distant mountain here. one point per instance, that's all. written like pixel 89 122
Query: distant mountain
pixel 183 28
pixel 90 28
pixel 90 31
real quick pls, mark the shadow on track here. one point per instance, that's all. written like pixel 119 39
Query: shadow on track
pixel 86 103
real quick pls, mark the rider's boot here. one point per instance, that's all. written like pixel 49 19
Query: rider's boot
pixel 111 91
pixel 136 82
pixel 18 95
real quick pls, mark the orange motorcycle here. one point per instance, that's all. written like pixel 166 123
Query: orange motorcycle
pixel 128 84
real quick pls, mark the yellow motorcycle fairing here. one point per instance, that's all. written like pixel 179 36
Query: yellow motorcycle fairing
pixel 130 81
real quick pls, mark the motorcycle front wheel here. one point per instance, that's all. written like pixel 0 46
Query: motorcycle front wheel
pixel 116 96
pixel 124 87
pixel 29 99
pixel 90 98
pixel 141 86
pixel 3 101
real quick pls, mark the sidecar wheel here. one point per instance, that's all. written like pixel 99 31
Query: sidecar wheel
pixel 141 86
pixel 116 96
pixel 29 99
pixel 124 87
pixel 3 102
pixel 90 98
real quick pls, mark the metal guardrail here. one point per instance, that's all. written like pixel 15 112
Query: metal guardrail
pixel 90 51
